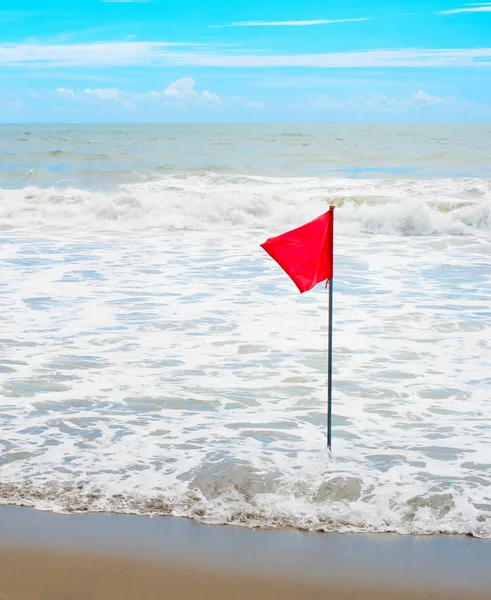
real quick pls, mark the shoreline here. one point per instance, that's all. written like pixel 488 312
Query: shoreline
pixel 163 551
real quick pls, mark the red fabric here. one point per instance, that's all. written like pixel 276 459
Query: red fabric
pixel 305 253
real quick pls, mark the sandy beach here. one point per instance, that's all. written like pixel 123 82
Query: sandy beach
pixel 50 556
pixel 32 574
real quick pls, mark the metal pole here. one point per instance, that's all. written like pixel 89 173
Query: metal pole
pixel 329 369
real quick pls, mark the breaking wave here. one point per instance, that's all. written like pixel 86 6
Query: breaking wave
pixel 207 202
pixel 242 498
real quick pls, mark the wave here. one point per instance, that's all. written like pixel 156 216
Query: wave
pixel 336 504
pixel 211 201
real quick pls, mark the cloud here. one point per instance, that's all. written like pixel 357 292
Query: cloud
pixel 411 57
pixel 289 23
pixel 208 96
pixel 384 103
pixel 468 8
pixel 247 102
pixel 181 92
pixel 92 54
pixel 105 93
pixel 66 92
pixel 184 89
pixel 115 95
pixel 425 98
pixel 158 54
pixel 181 88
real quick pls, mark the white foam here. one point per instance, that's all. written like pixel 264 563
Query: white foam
pixel 178 372
pixel 213 202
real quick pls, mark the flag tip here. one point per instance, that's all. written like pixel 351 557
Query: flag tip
pixel 332 207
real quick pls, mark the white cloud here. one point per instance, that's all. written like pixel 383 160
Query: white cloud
pixel 93 54
pixel 113 95
pixel 290 23
pixel 165 54
pixel 468 8
pixel 247 102
pixel 411 57
pixel 210 97
pixel 384 103
pixel 183 90
pixel 105 93
pixel 180 92
pixel 425 98
pixel 66 92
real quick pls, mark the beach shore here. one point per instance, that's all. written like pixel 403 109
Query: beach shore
pixel 35 574
pixel 49 556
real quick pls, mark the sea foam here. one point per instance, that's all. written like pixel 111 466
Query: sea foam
pixel 215 202
pixel 154 360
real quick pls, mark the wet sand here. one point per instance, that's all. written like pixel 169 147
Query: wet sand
pixel 98 556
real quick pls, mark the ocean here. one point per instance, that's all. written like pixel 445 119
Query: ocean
pixel 154 360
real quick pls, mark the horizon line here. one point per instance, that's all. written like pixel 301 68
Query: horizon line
pixel 248 123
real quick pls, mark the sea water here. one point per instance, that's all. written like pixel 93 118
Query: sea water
pixel 154 360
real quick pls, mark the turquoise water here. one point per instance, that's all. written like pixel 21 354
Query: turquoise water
pixel 98 155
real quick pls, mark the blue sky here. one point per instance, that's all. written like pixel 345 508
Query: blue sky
pixel 255 61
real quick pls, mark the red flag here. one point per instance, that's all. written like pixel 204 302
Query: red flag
pixel 306 253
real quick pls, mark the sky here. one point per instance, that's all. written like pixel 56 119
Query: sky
pixel 76 61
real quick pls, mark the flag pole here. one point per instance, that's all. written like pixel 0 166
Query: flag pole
pixel 329 344
pixel 329 369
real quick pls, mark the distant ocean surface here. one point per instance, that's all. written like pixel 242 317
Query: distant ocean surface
pixel 154 360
